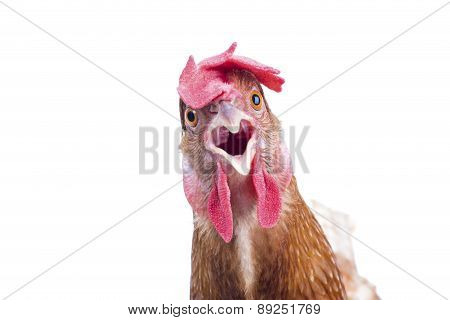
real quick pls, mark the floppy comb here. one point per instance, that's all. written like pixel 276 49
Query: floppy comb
pixel 202 83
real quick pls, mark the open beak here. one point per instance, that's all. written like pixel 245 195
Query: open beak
pixel 232 135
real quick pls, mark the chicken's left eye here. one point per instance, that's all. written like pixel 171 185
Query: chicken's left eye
pixel 256 100
pixel 191 117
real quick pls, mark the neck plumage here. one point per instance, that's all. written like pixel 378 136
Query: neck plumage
pixel 292 260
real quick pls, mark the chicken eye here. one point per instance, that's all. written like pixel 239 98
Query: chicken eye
pixel 191 117
pixel 256 100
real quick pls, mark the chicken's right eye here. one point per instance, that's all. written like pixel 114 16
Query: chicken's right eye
pixel 191 117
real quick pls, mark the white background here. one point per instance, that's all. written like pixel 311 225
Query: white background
pixel 378 148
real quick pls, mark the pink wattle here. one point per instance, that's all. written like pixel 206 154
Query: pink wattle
pixel 268 206
pixel 219 206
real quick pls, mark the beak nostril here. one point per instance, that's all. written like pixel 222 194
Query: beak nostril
pixel 214 108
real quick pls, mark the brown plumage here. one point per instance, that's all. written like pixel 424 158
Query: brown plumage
pixel 290 259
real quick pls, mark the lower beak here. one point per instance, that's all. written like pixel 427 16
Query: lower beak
pixel 232 135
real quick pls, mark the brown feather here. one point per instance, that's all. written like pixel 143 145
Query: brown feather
pixel 292 260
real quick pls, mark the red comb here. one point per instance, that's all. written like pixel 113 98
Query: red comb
pixel 200 84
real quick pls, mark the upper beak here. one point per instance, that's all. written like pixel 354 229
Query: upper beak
pixel 232 135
